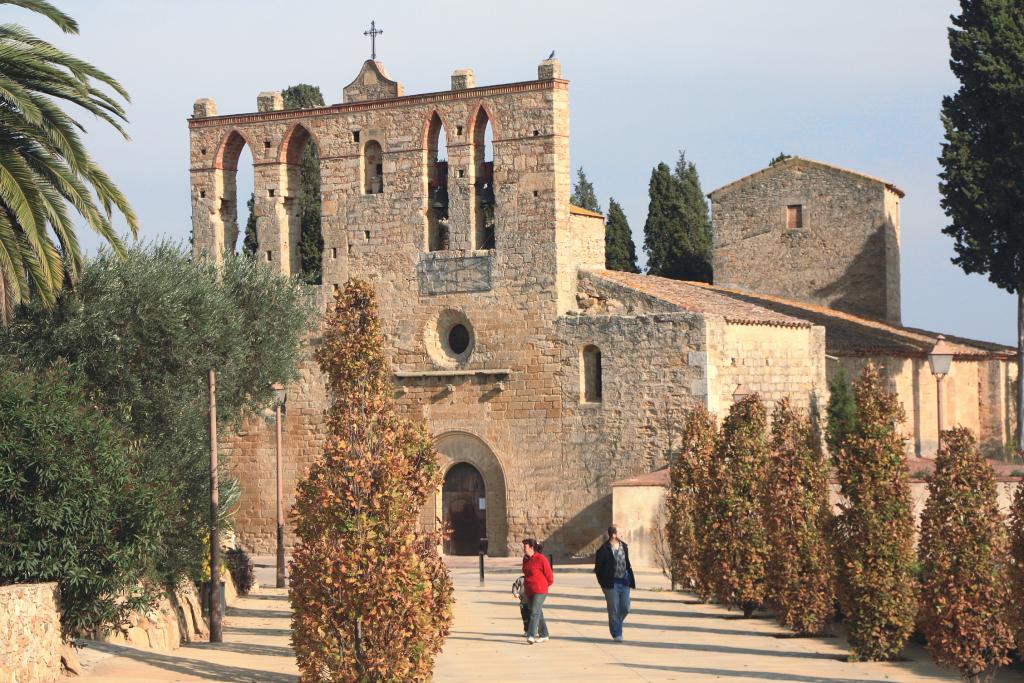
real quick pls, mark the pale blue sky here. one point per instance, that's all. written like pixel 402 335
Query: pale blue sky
pixel 731 82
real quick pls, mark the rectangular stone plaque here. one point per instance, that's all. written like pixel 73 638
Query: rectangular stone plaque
pixel 447 273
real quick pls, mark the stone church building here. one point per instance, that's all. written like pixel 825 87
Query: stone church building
pixel 544 377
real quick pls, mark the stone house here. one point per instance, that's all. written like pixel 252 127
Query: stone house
pixel 543 377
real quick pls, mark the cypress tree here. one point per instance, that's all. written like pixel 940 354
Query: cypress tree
pixel 677 234
pixel 619 249
pixel 311 240
pixel 983 156
pixel 583 194
pixel 841 410
pixel 964 584
pixel 688 475
pixel 1016 568
pixel 874 535
pixel 250 245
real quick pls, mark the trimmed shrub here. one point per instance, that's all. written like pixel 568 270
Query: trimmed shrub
pixel 874 534
pixel 370 596
pixel 736 542
pixel 243 574
pixel 1016 565
pixel 801 572
pixel 688 474
pixel 75 506
pixel 964 584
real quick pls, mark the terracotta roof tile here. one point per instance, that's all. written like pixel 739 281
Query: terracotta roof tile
pixel 580 211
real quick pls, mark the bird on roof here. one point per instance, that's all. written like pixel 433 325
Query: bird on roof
pixel 552 55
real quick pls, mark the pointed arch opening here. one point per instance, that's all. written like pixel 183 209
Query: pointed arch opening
pixel 483 182
pixel 301 196
pixel 235 152
pixel 373 168
pixel 437 185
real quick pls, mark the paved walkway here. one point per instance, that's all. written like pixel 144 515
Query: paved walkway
pixel 667 639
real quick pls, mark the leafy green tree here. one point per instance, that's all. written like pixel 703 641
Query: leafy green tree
pixel 619 249
pixel 677 234
pixel 874 534
pixel 1016 568
pixel 737 542
pixel 143 332
pixel 841 411
pixel 965 595
pixel 982 181
pixel 76 506
pixel 45 169
pixel 250 243
pixel 688 475
pixel 371 598
pixel 801 572
pixel 311 241
pixel 782 156
pixel 583 193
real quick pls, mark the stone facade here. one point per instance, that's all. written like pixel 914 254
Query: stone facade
pixel 812 232
pixel 30 638
pixel 547 376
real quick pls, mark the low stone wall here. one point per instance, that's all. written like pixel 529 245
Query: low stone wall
pixel 30 639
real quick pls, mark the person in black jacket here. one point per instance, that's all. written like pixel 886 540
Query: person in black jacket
pixel 615 575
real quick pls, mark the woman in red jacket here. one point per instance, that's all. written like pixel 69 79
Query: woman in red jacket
pixel 539 578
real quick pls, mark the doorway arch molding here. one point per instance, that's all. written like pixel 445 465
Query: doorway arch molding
pixel 454 447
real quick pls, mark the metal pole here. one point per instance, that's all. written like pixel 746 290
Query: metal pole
pixel 280 507
pixel 216 613
pixel 941 397
pixel 481 567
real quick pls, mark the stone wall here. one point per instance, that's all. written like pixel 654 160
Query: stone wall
pixel 30 637
pixel 845 255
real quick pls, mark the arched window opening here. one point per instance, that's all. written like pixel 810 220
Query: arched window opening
pixel 302 205
pixel 373 168
pixel 233 153
pixel 590 374
pixel 437 185
pixel 483 182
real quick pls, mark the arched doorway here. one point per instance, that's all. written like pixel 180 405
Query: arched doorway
pixel 464 509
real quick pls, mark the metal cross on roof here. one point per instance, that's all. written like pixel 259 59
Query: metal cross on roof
pixel 373 33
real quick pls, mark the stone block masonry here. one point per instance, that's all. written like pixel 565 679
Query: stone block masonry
pixel 30 638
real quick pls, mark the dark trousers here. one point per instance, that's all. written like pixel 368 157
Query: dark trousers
pixel 538 627
pixel 524 612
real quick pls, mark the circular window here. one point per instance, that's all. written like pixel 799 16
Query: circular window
pixel 458 339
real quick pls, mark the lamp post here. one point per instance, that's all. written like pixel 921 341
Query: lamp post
pixel 280 396
pixel 740 393
pixel 940 358
pixel 216 613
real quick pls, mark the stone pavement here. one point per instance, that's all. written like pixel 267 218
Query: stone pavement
pixel 667 639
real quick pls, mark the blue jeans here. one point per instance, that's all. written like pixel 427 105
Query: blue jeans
pixel 538 627
pixel 617 600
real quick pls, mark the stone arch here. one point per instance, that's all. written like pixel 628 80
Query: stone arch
pixel 372 166
pixel 436 180
pixel 225 164
pixel 290 159
pixel 484 204
pixel 462 447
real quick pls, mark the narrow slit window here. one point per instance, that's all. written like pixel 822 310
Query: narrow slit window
pixel 590 375
pixel 373 168
pixel 794 216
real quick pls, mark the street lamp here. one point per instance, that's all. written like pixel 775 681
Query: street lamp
pixel 940 358
pixel 740 393
pixel 280 396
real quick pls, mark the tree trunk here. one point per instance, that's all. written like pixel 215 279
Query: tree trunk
pixel 1020 368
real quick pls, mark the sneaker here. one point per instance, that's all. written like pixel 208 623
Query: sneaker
pixel 618 639
pixel 542 639
pixel 531 640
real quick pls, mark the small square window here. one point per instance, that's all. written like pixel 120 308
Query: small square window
pixel 462 173
pixel 202 151
pixel 536 193
pixel 458 130
pixel 794 216
pixel 266 144
pixel 270 256
pixel 270 192
pixel 366 234
pixel 202 194
pixel 536 133
pixel 355 136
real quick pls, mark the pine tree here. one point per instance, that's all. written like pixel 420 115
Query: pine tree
pixel 841 410
pixel 583 193
pixel 371 598
pixel 737 543
pixel 874 534
pixel 311 240
pixel 964 584
pixel 619 249
pixel 677 234
pixel 688 474
pixel 782 156
pixel 801 572
pixel 983 165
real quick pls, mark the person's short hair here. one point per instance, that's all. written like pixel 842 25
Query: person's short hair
pixel 612 530
pixel 530 542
